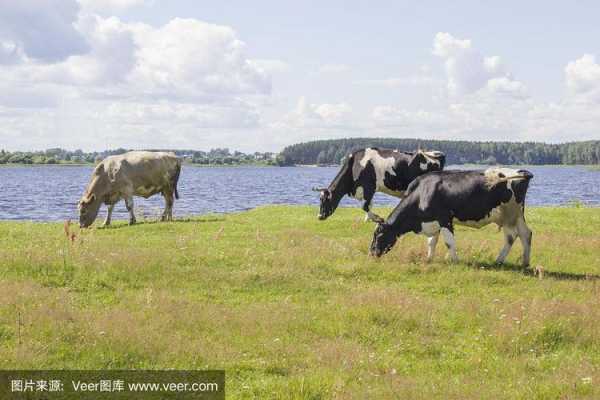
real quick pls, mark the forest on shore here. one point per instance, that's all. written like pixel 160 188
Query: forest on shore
pixel 213 157
pixel 328 152
pixel 323 152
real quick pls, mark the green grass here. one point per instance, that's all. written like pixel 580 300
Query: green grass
pixel 293 308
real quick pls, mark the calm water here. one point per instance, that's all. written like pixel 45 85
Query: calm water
pixel 50 193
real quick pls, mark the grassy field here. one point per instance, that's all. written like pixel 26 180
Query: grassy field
pixel 293 308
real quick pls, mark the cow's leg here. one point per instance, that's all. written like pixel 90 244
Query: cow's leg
pixel 509 238
pixel 109 214
pixel 369 216
pixel 450 243
pixel 129 205
pixel 525 235
pixel 368 194
pixel 168 213
pixel 431 243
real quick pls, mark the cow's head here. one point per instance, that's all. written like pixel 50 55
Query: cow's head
pixel 384 238
pixel 327 206
pixel 88 209
pixel 427 161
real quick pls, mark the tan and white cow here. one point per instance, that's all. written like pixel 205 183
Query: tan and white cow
pixel 136 173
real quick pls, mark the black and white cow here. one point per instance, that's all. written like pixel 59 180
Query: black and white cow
pixel 372 170
pixel 436 201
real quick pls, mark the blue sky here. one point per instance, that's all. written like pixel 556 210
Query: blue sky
pixel 260 75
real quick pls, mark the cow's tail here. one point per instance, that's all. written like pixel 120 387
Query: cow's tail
pixel 175 179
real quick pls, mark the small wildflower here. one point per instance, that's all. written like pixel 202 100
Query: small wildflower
pixel 539 271
pixel 219 233
pixel 67 228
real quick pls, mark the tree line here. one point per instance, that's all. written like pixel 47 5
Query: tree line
pixel 213 157
pixel 324 152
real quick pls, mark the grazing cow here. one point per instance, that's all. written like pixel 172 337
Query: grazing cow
pixel 137 173
pixel 435 201
pixel 371 170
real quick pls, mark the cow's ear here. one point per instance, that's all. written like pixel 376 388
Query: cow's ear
pixel 88 199
pixel 378 220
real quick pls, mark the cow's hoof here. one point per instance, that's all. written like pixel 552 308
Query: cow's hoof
pixel 132 222
pixel 451 260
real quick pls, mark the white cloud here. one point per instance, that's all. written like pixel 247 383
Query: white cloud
pixel 333 68
pixel 186 76
pixel 583 77
pixel 468 71
pixel 502 110
pixel 40 30
pixel 307 115
pixel 185 58
pixel 10 53
pixel 109 61
pixel 270 65
pixel 507 87
pixel 398 117
pixel 478 117
pixel 201 116
pixel 413 80
pixel 484 101
pixel 109 6
pixel 191 58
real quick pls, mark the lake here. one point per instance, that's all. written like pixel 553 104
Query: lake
pixel 50 193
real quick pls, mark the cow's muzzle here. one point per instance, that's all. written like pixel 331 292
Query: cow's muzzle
pixel 375 253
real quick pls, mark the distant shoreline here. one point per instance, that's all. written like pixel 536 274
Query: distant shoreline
pixel 17 165
pixel 592 167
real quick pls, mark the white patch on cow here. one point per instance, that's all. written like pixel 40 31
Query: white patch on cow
pixel 424 166
pixel 381 165
pixel 359 193
pixel 505 215
pixel 495 175
pixel 495 216
pixel 430 156
pixel 431 243
pixel 430 229
pixel 450 242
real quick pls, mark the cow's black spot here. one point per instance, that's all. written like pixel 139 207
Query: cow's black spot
pixel 367 179
pixel 519 187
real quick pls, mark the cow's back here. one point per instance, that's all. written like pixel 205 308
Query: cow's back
pixel 144 171
pixel 466 195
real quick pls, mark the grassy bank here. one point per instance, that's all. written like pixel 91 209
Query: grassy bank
pixel 292 307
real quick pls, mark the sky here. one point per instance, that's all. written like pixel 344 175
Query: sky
pixel 260 75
